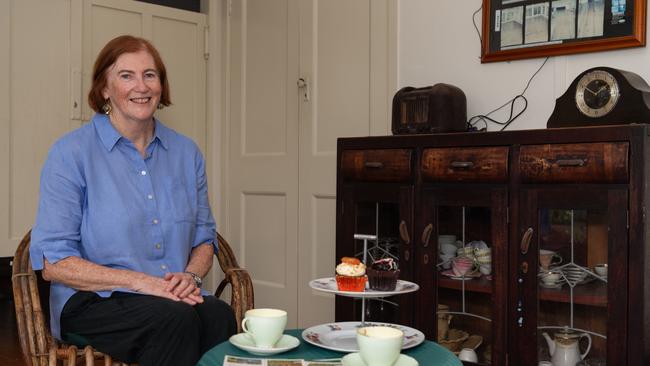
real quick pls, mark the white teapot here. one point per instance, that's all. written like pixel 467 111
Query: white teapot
pixel 564 347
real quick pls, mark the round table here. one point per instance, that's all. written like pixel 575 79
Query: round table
pixel 428 353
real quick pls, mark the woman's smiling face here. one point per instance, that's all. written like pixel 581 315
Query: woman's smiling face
pixel 133 87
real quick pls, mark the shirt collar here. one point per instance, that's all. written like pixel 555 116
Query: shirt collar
pixel 109 135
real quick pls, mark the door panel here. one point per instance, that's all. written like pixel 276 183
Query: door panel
pixel 262 169
pixel 565 299
pixel 34 100
pixel 282 140
pixel 344 81
pixel 385 211
pixel 462 268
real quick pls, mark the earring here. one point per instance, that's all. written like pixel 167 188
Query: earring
pixel 160 106
pixel 106 108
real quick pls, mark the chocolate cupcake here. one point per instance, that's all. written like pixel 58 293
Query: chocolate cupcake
pixel 383 274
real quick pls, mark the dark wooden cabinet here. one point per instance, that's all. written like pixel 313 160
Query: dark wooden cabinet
pixel 512 202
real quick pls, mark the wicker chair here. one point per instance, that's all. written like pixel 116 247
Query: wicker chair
pixel 38 346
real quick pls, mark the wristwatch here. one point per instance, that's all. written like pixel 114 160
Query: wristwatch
pixel 198 281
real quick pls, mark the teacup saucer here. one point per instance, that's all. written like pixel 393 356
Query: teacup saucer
pixel 244 342
pixel 550 285
pixel 354 359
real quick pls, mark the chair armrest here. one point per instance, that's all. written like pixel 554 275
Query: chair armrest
pixel 241 298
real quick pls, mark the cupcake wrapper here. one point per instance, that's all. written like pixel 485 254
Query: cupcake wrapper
pixel 382 280
pixel 348 283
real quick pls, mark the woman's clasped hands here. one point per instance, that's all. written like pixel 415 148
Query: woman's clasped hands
pixel 177 286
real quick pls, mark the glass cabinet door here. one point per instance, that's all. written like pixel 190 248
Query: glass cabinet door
pixel 465 259
pixel 385 213
pixel 574 246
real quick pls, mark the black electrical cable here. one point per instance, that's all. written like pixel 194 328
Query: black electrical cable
pixel 472 121
pixel 476 27
pixel 485 117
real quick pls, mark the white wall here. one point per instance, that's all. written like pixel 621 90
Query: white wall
pixel 438 43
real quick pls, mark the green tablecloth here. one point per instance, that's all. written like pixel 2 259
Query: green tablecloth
pixel 428 353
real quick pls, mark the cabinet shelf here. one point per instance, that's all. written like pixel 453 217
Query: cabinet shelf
pixel 594 294
pixel 480 284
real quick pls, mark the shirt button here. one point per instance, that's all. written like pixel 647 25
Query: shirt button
pixel 163 267
pixel 155 221
pixel 150 196
pixel 158 245
pixel 144 172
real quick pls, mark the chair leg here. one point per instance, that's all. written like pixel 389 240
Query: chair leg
pixel 72 356
pixel 90 356
pixel 52 357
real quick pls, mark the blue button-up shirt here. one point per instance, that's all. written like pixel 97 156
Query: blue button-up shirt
pixel 101 201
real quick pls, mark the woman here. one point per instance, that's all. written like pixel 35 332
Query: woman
pixel 124 229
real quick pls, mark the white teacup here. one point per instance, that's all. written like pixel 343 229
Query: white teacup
pixel 548 258
pixel 447 248
pixel 445 260
pixel 601 269
pixel 551 278
pixel 264 326
pixel 468 354
pixel 379 346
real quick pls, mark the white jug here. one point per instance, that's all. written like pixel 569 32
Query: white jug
pixel 564 347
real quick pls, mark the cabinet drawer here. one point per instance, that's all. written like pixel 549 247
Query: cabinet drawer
pixel 466 164
pixel 575 163
pixel 385 165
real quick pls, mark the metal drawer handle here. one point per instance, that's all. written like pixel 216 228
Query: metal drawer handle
pixel 525 240
pixel 404 233
pixel 571 162
pixel 462 164
pixel 426 235
pixel 374 164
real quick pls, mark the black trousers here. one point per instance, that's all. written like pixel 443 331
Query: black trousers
pixel 149 330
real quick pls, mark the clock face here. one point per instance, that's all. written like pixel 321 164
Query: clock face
pixel 597 93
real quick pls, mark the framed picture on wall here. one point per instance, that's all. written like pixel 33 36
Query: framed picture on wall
pixel 516 29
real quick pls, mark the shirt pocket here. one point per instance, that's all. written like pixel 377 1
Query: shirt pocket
pixel 183 202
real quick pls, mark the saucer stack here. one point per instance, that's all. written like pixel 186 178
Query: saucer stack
pixel 551 279
pixel 574 275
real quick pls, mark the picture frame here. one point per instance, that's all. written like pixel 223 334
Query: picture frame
pixel 519 29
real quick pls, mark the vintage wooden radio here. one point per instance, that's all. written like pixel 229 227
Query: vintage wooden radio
pixel 433 109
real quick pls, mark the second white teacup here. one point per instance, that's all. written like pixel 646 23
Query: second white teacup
pixel 265 326
pixel 468 354
pixel 601 269
pixel 551 278
pixel 379 346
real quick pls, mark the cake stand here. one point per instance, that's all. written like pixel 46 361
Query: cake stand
pixel 341 336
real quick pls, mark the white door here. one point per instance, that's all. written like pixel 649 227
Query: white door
pixel 262 168
pixel 280 173
pixel 179 37
pixel 344 56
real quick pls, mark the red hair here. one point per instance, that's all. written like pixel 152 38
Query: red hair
pixel 107 57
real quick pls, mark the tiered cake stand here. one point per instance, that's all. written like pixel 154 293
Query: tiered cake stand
pixel 341 336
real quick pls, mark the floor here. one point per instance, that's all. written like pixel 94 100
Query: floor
pixel 9 347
